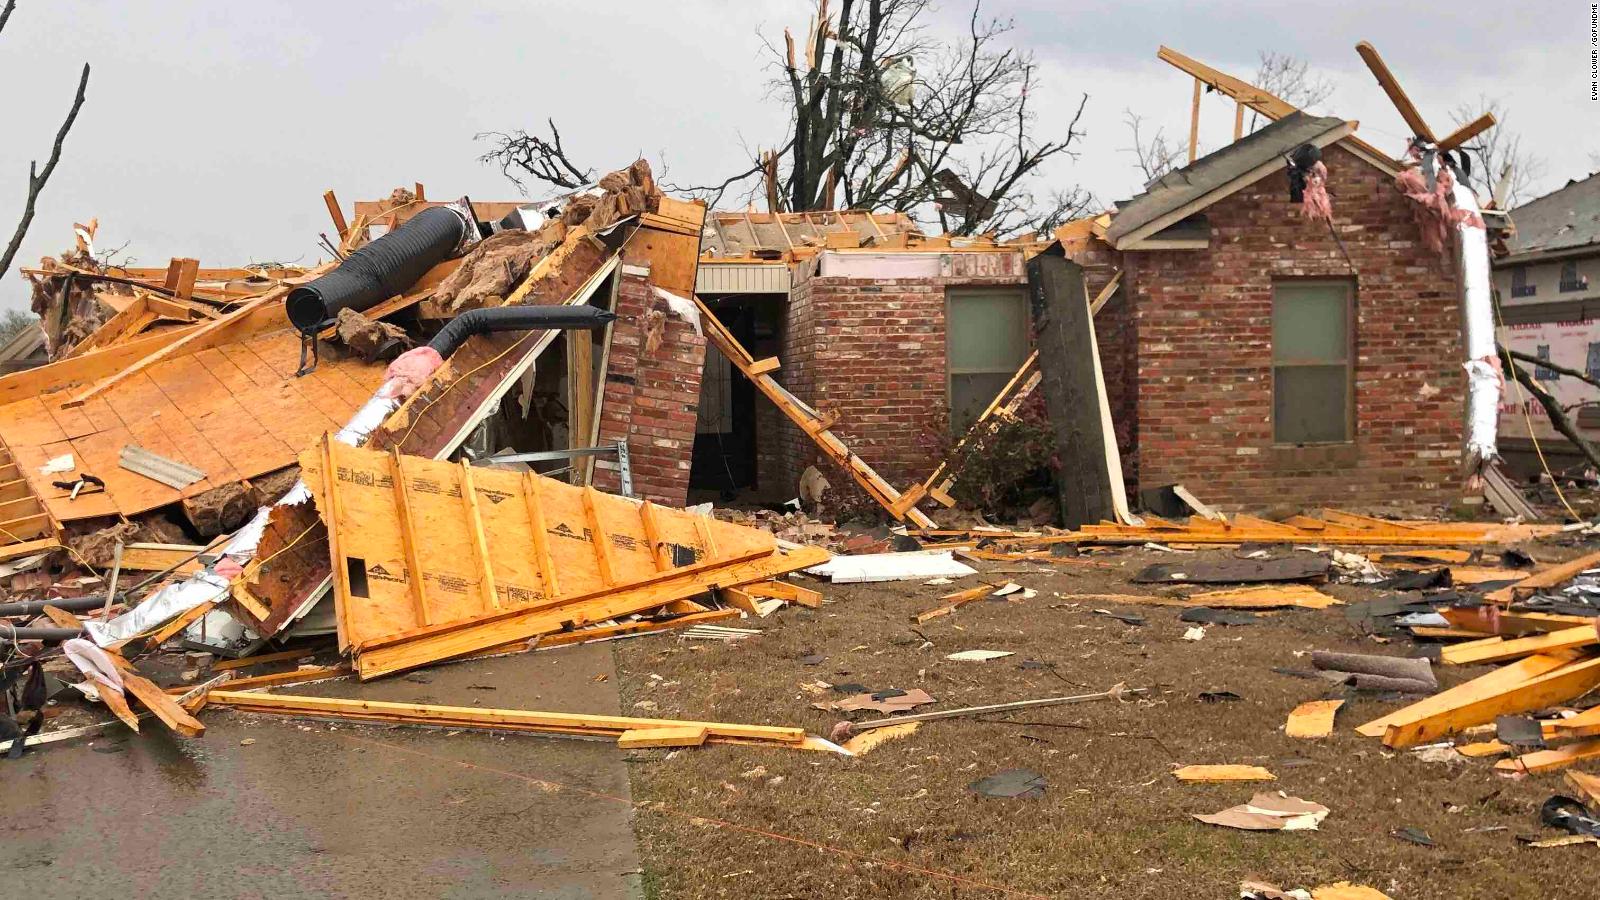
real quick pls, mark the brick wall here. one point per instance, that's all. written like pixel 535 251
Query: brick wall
pixel 873 351
pixel 1203 352
pixel 651 398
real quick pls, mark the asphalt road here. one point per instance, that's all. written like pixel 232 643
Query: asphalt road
pixel 314 809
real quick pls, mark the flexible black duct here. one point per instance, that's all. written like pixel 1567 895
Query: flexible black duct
pixel 515 318
pixel 387 267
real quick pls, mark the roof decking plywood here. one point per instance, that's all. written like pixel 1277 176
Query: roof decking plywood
pixel 235 411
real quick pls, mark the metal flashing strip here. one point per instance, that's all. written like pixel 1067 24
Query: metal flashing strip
pixel 169 472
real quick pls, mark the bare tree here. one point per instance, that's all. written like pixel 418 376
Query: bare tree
pixel 883 115
pixel 1500 154
pixel 36 176
pixel 1290 80
pixel 13 321
pixel 1154 155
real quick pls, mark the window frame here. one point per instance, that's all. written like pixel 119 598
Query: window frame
pixel 1349 362
pixel 951 294
pixel 1520 285
pixel 1578 282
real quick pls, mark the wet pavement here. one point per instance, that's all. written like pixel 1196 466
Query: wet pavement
pixel 317 809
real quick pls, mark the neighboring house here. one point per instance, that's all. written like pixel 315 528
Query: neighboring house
pixel 1548 288
pixel 24 350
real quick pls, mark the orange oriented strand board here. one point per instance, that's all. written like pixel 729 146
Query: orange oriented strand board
pixel 1313 719
pixel 379 599
pixel 235 411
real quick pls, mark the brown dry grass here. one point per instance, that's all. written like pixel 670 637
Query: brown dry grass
pixel 1113 823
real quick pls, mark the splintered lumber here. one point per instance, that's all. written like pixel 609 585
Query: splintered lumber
pixel 1313 719
pixel 814 425
pixel 161 704
pixel 421 574
pixel 1118 692
pixel 1214 774
pixel 954 602
pixel 1501 650
pixel 495 719
pixel 1500 680
pixel 1550 760
pixel 1546 578
pixel 1568 682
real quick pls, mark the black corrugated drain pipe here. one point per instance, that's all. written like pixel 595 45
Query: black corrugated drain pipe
pixel 515 318
pixel 385 268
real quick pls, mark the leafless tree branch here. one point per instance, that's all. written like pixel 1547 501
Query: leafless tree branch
pixel 36 176
pixel 1501 154
pixel 1290 80
pixel 544 160
pixel 1155 155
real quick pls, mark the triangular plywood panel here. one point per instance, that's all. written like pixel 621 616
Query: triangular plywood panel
pixel 420 546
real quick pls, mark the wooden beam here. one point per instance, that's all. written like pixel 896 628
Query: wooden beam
pixel 954 602
pixel 1501 679
pixel 1500 651
pixel 1467 132
pixel 161 704
pixel 541 538
pixel 1194 121
pixel 480 541
pixel 1557 686
pixel 421 713
pixel 599 539
pixel 1238 120
pixel 408 537
pixel 580 394
pixel 1549 760
pixel 679 736
pixel 1397 95
pixel 1553 576
pixel 336 214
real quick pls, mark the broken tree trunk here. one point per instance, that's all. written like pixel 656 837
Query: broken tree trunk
pixel 1552 409
pixel 1088 478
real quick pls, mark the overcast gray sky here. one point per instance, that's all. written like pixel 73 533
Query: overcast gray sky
pixel 212 129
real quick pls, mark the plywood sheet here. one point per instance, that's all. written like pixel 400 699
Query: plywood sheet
pixel 419 543
pixel 234 411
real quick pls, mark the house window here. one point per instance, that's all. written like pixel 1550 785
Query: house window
pixel 1520 286
pixel 1570 279
pixel 987 338
pixel 1540 373
pixel 1312 384
pixel 1591 365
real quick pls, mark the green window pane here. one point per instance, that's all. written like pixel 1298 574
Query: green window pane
pixel 988 330
pixel 1310 404
pixel 970 395
pixel 1310 322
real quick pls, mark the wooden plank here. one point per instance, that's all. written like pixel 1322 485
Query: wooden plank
pixel 1550 760
pixel 408 651
pixel 1194 121
pixel 163 706
pixel 808 421
pixel 954 602
pixel 1553 576
pixel 1501 679
pixel 116 701
pixel 1222 773
pixel 408 536
pixel 1313 719
pixel 336 214
pixel 680 736
pixel 1479 653
pixel 561 722
pixel 580 393
pixel 600 540
pixel 1397 95
pixel 1557 686
pixel 223 665
pixel 480 541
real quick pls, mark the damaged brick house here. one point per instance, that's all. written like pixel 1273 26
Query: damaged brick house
pixel 1256 355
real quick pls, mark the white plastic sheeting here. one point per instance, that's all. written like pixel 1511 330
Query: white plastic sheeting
pixel 891 567
pixel 1482 365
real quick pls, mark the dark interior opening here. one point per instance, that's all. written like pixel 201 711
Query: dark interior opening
pixel 729 437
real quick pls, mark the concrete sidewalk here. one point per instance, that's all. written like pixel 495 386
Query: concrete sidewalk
pixel 315 809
